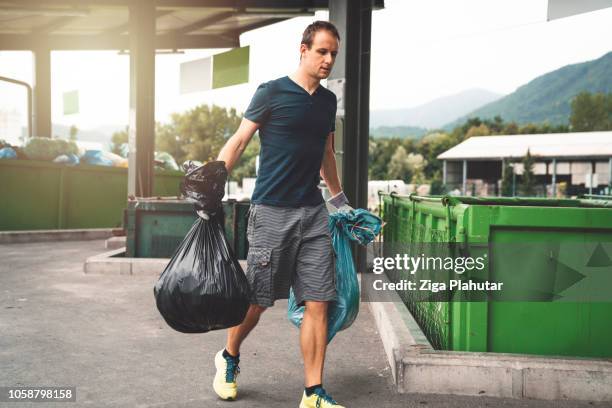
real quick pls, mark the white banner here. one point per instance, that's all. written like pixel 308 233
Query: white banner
pixel 196 76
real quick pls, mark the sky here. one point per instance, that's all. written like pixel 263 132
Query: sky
pixel 421 50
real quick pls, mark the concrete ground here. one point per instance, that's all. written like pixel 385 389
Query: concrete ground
pixel 103 334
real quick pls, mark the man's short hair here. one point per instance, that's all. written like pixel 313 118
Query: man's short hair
pixel 319 25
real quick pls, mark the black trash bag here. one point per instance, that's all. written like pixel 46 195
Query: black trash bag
pixel 203 287
pixel 205 185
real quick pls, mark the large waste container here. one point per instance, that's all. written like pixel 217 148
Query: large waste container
pixel 155 227
pixel 547 328
pixel 43 195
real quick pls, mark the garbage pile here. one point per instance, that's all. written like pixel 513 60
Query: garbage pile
pixel 67 152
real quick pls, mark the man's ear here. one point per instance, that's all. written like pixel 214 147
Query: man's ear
pixel 303 48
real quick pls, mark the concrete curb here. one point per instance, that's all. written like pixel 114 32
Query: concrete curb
pixel 115 242
pixel 115 263
pixel 417 368
pixel 20 237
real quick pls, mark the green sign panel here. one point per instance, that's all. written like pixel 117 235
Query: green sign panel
pixel 71 102
pixel 231 68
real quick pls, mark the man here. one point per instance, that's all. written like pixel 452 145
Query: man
pixel 289 243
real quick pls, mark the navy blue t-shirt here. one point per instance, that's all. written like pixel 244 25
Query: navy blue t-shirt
pixel 294 127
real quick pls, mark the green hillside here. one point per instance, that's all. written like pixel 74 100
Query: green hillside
pixel 548 97
pixel 400 132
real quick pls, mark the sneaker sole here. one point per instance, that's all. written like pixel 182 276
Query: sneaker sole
pixel 218 366
pixel 219 395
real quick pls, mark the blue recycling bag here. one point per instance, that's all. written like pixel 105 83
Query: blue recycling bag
pixel 96 158
pixel 362 227
pixel 8 153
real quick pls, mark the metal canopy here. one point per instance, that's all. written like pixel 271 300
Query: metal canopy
pixel 104 24
pixel 578 145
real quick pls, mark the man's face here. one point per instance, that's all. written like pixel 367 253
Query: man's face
pixel 319 59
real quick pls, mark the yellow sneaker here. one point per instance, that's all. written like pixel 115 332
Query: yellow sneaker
pixel 224 383
pixel 319 399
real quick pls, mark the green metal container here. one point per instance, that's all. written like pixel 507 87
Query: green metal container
pixel 37 195
pixel 547 328
pixel 155 227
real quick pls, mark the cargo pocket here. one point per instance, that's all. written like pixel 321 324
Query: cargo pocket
pixel 259 267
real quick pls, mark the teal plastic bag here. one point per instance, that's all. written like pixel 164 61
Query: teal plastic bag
pixel 362 227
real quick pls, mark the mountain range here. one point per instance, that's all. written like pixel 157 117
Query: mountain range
pixel 548 97
pixel 436 113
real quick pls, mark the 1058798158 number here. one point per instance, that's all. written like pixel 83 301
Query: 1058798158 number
pixel 38 394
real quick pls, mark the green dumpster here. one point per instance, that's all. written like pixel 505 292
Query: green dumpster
pixel 37 195
pixel 155 227
pixel 545 328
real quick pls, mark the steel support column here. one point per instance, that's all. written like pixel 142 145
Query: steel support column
pixel 42 93
pixel 610 176
pixel 354 20
pixel 444 172
pixel 142 98
pixel 554 178
pixel 464 178
pixel 591 177
pixel 503 174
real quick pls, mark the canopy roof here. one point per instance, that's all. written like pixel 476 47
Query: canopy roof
pixel 579 145
pixel 103 24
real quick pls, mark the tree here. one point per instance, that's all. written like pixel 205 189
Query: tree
pixel 198 134
pixel 430 146
pixel 437 185
pixel 380 153
pixel 507 180
pixel 496 126
pixel 529 129
pixel 416 164
pixel 168 140
pixel 471 122
pixel 399 166
pixel 527 187
pixel 591 112
pixel 482 130
pixel 510 129
pixel 117 140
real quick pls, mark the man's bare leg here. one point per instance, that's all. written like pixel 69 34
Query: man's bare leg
pixel 224 383
pixel 237 334
pixel 313 341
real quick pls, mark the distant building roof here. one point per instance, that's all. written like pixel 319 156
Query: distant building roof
pixel 567 146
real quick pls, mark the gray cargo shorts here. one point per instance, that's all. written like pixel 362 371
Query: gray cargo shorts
pixel 290 247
